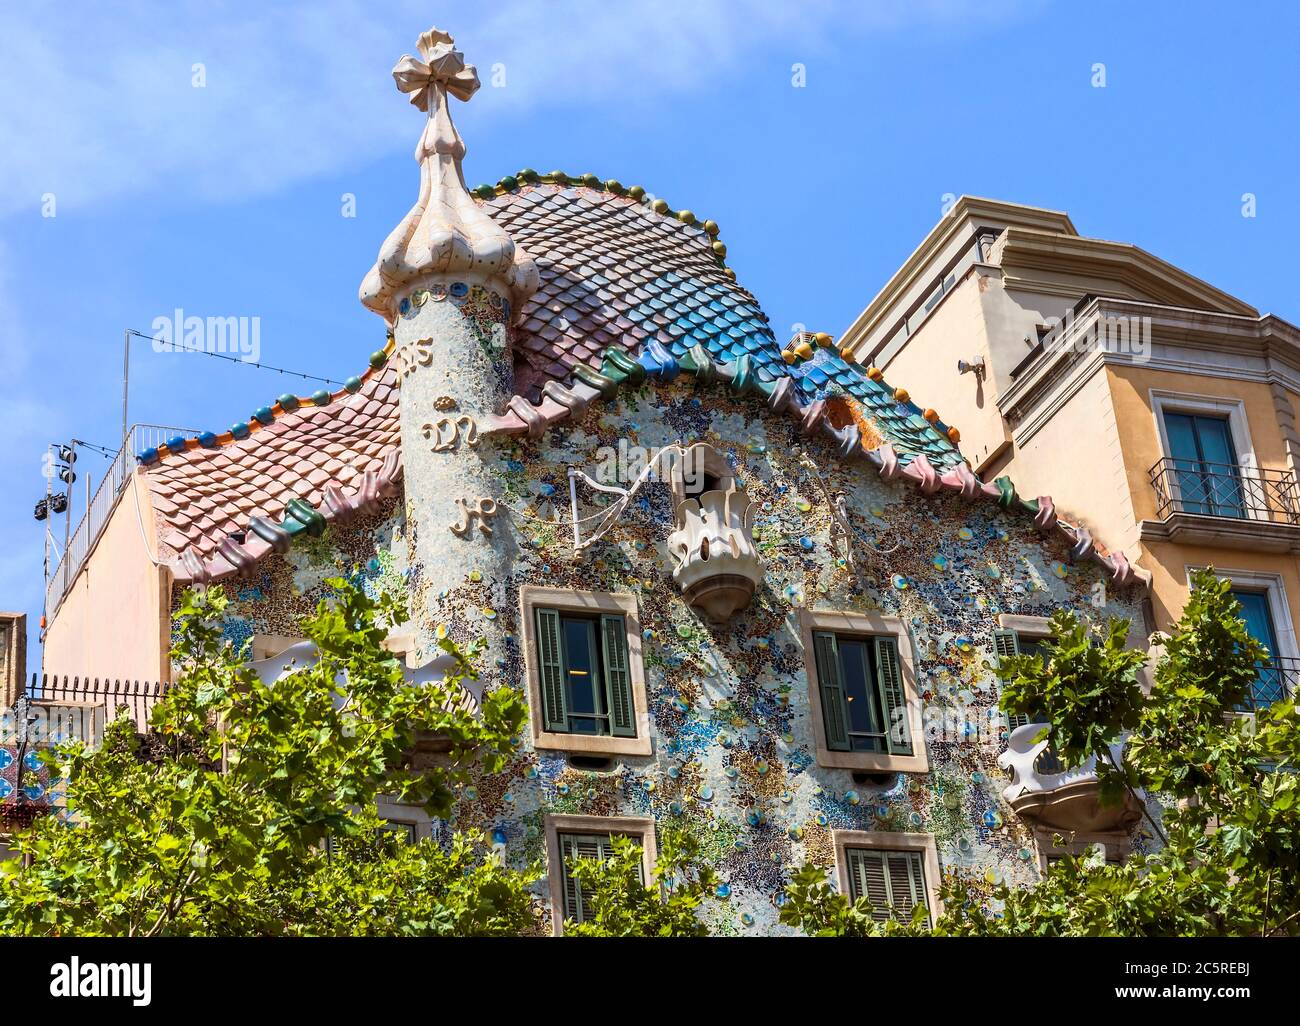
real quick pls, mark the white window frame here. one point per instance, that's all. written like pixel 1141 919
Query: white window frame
pixel 1166 401
pixel 1275 588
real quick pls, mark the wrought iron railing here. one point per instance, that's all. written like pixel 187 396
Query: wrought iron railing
pixel 1224 490
pixel 79 706
pixel 93 520
pixel 1276 680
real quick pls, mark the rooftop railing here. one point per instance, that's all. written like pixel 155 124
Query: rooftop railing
pixel 93 521
pixel 1224 490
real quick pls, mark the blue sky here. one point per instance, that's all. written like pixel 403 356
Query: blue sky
pixel 225 200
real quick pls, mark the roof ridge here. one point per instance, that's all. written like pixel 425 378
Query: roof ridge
pixel 804 346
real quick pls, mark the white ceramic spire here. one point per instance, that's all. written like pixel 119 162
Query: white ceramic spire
pixel 446 235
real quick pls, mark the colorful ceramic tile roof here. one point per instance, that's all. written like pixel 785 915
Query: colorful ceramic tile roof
pixel 629 288
pixel 618 268
pixel 221 508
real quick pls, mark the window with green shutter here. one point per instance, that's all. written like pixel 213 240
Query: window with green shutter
pixel 864 704
pixel 577 899
pixel 1009 643
pixel 892 881
pixel 585 673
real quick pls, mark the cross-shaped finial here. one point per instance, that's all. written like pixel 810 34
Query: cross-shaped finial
pixel 443 65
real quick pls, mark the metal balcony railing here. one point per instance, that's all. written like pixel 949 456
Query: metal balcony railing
pixel 1224 490
pixel 93 521
pixel 1276 680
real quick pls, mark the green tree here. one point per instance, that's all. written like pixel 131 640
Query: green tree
pixel 620 903
pixel 1227 786
pixel 219 824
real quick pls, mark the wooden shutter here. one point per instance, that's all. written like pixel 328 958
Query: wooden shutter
pixel 893 881
pixel 618 677
pixel 1007 643
pixel 577 900
pixel 834 709
pixel 906 882
pixel 869 878
pixel 893 699
pixel 550 670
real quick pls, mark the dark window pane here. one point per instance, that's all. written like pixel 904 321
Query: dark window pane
pixel 860 695
pixel 582 677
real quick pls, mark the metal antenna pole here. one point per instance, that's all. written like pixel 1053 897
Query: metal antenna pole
pixel 126 376
pixel 67 523
pixel 49 490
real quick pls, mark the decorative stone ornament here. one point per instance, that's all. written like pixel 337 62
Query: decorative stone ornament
pixel 446 233
pixel 716 563
pixel 449 281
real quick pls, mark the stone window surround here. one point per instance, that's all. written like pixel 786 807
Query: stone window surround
pixel 847 622
pixel 886 840
pixel 407 815
pixel 571 600
pixel 1117 845
pixel 556 824
pixel 1275 588
pixel 1025 626
pixel 1165 401
pixel 266 646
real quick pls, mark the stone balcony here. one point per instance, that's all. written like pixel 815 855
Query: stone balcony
pixel 1053 798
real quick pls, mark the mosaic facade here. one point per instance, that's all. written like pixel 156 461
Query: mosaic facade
pixel 734 759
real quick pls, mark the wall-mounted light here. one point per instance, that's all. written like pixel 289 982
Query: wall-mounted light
pixel 976 365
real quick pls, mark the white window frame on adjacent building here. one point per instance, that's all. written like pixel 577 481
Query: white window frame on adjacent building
pixel 888 841
pixel 595 604
pixel 558 826
pixel 1274 587
pixel 816 621
pixel 1166 401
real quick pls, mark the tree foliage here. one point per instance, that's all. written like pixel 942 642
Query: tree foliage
pixel 620 903
pixel 221 826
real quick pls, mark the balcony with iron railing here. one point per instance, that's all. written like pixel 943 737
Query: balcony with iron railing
pixel 1275 680
pixel 1236 505
pixel 114 482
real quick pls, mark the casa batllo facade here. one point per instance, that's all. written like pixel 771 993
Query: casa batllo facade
pixel 747 585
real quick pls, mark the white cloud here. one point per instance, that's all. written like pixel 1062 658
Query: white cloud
pixel 99 102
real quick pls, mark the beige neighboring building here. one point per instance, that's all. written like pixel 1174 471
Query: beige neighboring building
pixel 1154 409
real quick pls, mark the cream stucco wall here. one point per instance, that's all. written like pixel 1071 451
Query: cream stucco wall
pixel 1077 458
pixel 113 621
pixel 927 368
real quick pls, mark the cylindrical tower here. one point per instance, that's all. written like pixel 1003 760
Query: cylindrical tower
pixel 448 282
